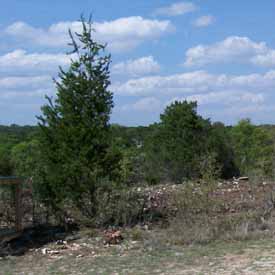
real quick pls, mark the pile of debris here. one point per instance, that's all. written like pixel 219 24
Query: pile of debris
pixel 112 237
pixel 60 247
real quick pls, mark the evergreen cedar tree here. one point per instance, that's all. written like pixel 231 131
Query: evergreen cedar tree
pixel 182 139
pixel 77 154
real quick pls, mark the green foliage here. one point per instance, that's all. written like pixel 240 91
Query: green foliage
pixel 130 142
pixel 182 140
pixel 221 146
pixel 6 167
pixel 132 165
pixel 9 137
pixel 77 155
pixel 25 157
pixel 253 148
pixel 155 169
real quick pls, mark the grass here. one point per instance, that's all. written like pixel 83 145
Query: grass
pixel 137 257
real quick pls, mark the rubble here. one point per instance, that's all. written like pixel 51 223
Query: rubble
pixel 112 237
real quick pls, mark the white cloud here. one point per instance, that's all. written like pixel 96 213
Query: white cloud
pixel 173 84
pixel 19 61
pixel 194 83
pixel 137 67
pixel 120 34
pixel 220 96
pixel 227 98
pixel 232 49
pixel 176 9
pixel 229 105
pixel 206 88
pixel 25 83
pixel 26 95
pixel 262 110
pixel 147 104
pixel 25 89
pixel 266 60
pixel 204 21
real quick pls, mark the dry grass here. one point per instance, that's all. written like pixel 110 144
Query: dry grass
pixel 146 256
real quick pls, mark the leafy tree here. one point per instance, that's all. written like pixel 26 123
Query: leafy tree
pixel 9 137
pixel 76 149
pixel 6 167
pixel 154 166
pixel 131 142
pixel 253 148
pixel 182 140
pixel 25 157
pixel 221 146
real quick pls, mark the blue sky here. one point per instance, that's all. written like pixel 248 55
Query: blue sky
pixel 220 53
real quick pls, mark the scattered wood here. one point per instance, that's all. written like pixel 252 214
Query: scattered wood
pixel 112 237
pixel 243 179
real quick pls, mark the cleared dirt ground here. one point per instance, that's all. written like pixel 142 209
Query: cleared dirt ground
pixel 142 252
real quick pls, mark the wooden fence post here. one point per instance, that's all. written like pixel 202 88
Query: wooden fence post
pixel 18 207
pixel 18 199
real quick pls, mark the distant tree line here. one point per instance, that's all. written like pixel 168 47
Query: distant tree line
pixel 149 155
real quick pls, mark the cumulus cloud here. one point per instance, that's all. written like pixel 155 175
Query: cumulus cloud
pixel 194 83
pixel 120 34
pixel 232 105
pixel 232 49
pixel 25 89
pixel 227 97
pixel 147 104
pixel 176 9
pixel 204 21
pixel 137 67
pixel 25 82
pixel 19 61
pixel 266 59
pixel 25 97
pixel 263 111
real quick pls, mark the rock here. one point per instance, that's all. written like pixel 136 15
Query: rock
pixel 47 251
pixel 74 247
pixel 44 251
pixel 53 252
pixel 61 242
